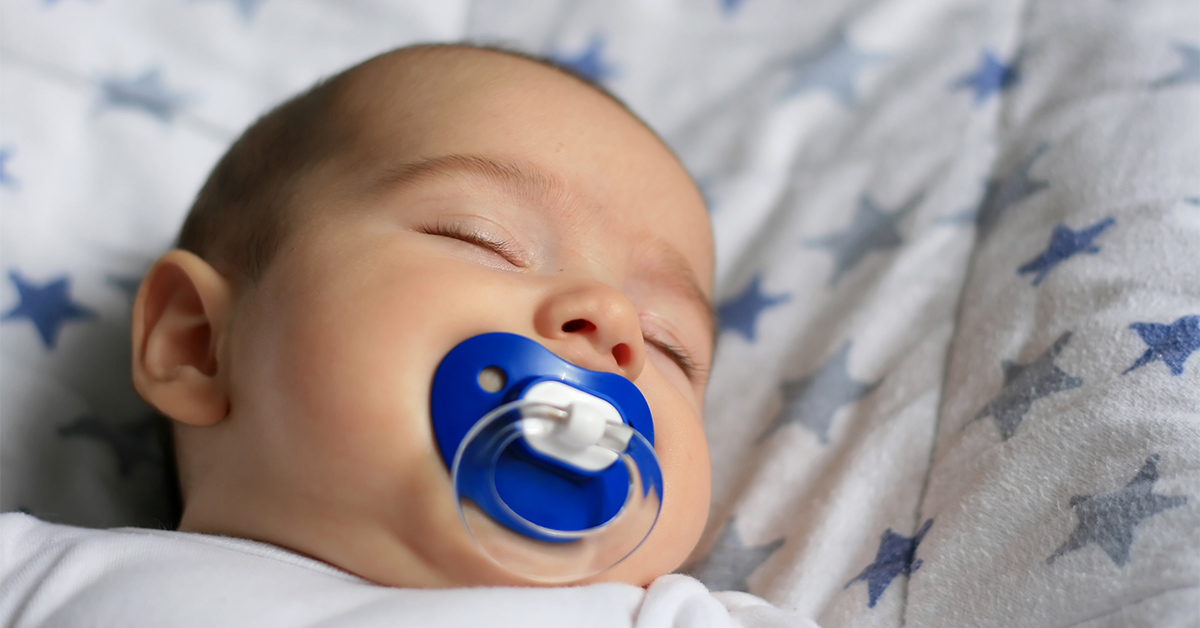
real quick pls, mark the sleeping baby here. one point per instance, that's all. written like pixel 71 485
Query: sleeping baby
pixel 442 321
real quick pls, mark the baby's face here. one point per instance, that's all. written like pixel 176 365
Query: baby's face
pixel 484 193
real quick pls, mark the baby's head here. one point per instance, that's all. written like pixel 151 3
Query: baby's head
pixel 356 235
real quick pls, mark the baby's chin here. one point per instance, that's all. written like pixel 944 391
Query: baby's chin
pixel 514 560
pixel 454 558
pixel 620 552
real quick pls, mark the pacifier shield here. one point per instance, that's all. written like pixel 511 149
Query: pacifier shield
pixel 559 455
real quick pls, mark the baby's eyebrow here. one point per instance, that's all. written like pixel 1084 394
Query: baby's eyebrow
pixel 512 177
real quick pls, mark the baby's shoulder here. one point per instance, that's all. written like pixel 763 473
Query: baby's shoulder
pixel 26 539
pixel 20 530
pixel 50 573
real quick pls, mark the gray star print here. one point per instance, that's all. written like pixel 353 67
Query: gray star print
pixel 1004 193
pixel 834 66
pixel 730 562
pixel 1000 195
pixel 813 400
pixel 1189 69
pixel 1026 383
pixel 146 92
pixel 133 443
pixel 870 230
pixel 248 7
pixel 127 284
pixel 1108 519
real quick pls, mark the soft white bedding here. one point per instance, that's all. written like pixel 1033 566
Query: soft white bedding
pixel 959 271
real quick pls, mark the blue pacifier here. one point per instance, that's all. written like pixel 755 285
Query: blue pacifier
pixel 553 465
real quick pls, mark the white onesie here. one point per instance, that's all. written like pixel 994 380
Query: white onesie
pixel 56 575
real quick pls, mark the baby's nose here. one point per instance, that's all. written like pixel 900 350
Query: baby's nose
pixel 594 326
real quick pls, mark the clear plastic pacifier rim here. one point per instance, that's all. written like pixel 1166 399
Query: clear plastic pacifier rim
pixel 525 409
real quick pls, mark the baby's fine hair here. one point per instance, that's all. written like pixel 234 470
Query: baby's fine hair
pixel 240 216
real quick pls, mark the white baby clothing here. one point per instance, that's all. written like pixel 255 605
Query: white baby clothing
pixel 55 575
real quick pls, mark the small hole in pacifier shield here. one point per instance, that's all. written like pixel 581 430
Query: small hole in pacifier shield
pixel 492 379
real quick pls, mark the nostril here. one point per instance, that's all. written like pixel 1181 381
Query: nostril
pixel 578 326
pixel 623 354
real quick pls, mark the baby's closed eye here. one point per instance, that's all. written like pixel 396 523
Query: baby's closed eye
pixel 504 247
pixel 689 365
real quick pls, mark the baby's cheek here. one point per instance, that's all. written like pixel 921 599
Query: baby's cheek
pixel 666 369
pixel 687 465
pixel 679 439
pixel 683 454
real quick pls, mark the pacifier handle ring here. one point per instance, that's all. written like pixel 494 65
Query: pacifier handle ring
pixel 557 414
pixel 644 488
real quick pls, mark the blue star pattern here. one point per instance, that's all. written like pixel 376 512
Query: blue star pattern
pixel 1188 72
pixel 740 314
pixel 1172 344
pixel 6 179
pixel 992 77
pixel 146 93
pixel 731 6
pixel 896 555
pixel 813 400
pixel 832 66
pixel 1108 519
pixel 133 443
pixel 730 562
pixel 47 306
pixel 1026 383
pixel 1064 243
pixel 589 62
pixel 871 229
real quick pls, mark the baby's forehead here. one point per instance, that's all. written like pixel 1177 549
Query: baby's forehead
pixel 463 114
pixel 423 80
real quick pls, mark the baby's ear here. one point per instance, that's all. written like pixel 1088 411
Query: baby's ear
pixel 178 318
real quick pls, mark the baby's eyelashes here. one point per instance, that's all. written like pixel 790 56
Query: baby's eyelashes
pixel 505 248
pixel 690 367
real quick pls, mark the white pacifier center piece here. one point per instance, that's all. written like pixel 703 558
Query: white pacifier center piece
pixel 590 436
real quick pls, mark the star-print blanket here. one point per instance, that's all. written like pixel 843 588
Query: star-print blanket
pixel 958 379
